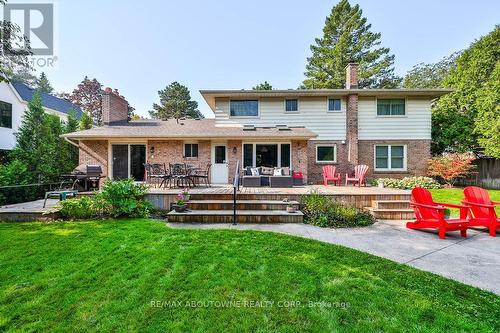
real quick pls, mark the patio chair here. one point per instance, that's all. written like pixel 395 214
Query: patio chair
pixel 159 175
pixel 481 209
pixel 203 175
pixel 358 176
pixel 329 174
pixel 180 174
pixel 430 214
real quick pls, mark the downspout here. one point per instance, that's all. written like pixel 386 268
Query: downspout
pixel 71 142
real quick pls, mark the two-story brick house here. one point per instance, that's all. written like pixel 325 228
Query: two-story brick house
pixel 387 129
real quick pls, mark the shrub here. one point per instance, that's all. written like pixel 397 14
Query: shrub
pixel 409 183
pixel 322 211
pixel 83 208
pixel 450 167
pixel 126 198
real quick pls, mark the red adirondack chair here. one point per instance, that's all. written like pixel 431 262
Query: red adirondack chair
pixel 329 174
pixel 430 214
pixel 481 209
pixel 359 175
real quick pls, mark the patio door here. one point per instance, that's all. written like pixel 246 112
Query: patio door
pixel 220 169
pixel 128 161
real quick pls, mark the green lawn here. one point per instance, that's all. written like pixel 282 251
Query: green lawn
pixel 455 195
pixel 108 276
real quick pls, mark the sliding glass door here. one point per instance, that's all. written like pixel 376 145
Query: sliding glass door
pixel 266 154
pixel 128 161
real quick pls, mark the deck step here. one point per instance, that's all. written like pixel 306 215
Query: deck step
pixel 392 214
pixel 242 216
pixel 240 204
pixel 392 204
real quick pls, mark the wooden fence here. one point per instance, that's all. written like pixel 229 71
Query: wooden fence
pixel 487 176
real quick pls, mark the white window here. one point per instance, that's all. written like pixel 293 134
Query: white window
pixel 391 107
pixel 334 104
pixel 326 153
pixel 390 157
pixel 292 105
pixel 190 150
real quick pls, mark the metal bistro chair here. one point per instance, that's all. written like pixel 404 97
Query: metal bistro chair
pixel 179 173
pixel 159 174
pixel 203 175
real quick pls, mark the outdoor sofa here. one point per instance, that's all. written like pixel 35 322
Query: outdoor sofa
pixel 267 176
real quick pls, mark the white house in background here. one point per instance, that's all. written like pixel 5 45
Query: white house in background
pixel 14 98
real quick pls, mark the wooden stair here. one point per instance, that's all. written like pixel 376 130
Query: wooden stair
pixel 392 210
pixel 248 211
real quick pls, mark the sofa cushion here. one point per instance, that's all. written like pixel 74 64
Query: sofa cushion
pixel 267 171
pixel 285 171
pixel 277 172
pixel 255 171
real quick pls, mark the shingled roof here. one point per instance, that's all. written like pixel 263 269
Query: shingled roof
pixel 186 129
pixel 48 101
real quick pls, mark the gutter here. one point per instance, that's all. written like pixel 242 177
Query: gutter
pixel 71 142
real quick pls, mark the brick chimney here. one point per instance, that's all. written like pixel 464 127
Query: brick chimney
pixel 352 113
pixel 114 108
pixel 351 76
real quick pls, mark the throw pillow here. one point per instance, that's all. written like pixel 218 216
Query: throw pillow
pixel 285 171
pixel 277 172
pixel 255 171
pixel 267 171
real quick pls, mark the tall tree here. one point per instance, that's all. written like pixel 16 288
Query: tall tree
pixel 469 116
pixel 14 49
pixel 430 76
pixel 25 75
pixel 70 151
pixel 347 38
pixel 88 96
pixel 175 102
pixel 43 84
pixel 30 136
pixel 263 86
pixel 85 122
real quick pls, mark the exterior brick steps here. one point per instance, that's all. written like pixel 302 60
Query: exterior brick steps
pixel 242 216
pixel 392 214
pixel 240 204
pixel 392 204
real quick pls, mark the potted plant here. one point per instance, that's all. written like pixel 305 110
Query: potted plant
pixel 180 204
pixel 291 208
pixel 186 195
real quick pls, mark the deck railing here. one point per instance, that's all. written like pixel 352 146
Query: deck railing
pixel 236 188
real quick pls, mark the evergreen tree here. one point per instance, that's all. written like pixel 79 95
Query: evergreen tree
pixel 30 136
pixel 347 38
pixel 85 122
pixel 70 151
pixel 470 116
pixel 44 85
pixel 263 86
pixel 175 102
pixel 52 152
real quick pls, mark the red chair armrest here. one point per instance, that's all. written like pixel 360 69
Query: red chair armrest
pixel 496 203
pixel 427 206
pixel 477 204
pixel 451 205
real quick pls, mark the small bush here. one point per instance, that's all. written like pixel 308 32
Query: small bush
pixel 118 198
pixel 450 167
pixel 126 198
pixel 321 211
pixel 409 183
pixel 83 208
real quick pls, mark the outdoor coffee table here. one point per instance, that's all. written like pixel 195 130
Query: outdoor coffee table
pixel 61 195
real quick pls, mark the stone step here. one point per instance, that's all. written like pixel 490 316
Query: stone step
pixel 392 214
pixel 242 216
pixel 392 204
pixel 240 204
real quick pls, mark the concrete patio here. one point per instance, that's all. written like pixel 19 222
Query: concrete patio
pixel 474 260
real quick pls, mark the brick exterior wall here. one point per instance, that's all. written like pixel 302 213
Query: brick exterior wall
pixel 232 158
pixel 352 129
pixel 94 152
pixel 418 153
pixel 114 108
pixel 300 157
pixel 316 169
pixel 172 151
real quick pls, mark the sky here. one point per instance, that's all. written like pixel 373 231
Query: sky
pixel 139 47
